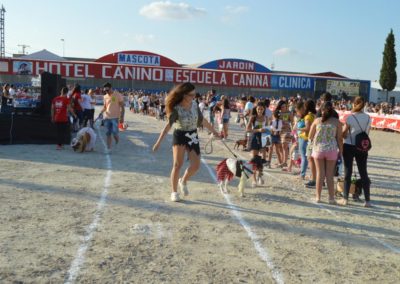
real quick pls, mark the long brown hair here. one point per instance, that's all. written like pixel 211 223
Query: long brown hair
pixel 176 95
pixel 327 111
pixel 309 107
pixel 358 104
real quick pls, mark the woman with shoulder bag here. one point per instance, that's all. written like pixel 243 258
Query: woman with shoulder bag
pixel 356 123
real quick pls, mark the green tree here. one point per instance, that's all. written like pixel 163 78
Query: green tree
pixel 388 76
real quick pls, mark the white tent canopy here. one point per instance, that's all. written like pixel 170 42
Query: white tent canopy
pixel 43 55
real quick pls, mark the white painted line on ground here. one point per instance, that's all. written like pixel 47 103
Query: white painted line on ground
pixel 355 226
pixel 90 230
pixel 276 274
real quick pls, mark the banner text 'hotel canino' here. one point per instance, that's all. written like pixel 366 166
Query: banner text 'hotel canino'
pixel 148 73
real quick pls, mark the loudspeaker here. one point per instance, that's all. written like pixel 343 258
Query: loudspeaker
pixel 28 129
pixel 51 85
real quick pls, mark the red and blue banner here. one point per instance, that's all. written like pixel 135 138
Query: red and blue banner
pixel 97 70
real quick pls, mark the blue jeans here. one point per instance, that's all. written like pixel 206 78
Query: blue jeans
pixel 304 162
pixel 111 125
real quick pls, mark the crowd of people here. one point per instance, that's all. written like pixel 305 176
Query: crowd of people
pixel 310 132
pixel 74 110
pixel 296 132
pixel 383 108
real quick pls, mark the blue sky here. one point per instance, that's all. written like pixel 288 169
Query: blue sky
pixel 346 37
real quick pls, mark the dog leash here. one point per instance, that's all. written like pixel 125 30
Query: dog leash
pixel 209 144
pixel 99 118
pixel 229 149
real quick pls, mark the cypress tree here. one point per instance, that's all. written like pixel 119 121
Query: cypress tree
pixel 388 76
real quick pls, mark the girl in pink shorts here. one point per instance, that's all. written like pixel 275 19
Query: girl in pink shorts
pixel 328 155
pixel 326 137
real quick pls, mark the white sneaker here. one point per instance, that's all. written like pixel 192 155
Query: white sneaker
pixel 183 187
pixel 175 197
pixel 260 181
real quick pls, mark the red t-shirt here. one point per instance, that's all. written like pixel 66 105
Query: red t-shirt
pixel 77 97
pixel 60 105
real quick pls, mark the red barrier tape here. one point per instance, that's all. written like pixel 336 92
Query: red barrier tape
pixel 391 122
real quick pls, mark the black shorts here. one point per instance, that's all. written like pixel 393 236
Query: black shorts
pixel 190 139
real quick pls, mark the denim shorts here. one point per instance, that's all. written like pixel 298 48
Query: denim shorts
pixel 225 120
pixel 275 139
pixel 111 125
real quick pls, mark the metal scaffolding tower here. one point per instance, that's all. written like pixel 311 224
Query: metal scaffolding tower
pixel 2 46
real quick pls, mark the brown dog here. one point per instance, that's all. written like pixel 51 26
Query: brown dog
pixel 241 142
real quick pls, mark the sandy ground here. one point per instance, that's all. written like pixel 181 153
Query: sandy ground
pixel 52 214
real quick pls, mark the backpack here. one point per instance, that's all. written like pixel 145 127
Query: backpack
pixel 363 143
